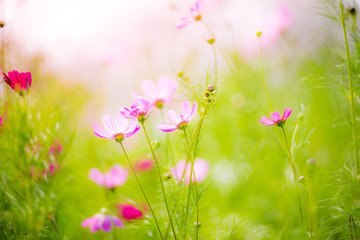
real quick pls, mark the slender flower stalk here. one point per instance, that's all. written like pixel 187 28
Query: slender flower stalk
pixel 142 190
pixel 351 92
pixel 160 178
pixel 262 71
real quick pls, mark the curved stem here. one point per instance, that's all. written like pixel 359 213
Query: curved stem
pixel 351 92
pixel 142 190
pixel 262 75
pixel 160 178
pixel 294 173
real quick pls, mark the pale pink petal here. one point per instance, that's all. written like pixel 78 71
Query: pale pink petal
pixel 186 109
pixel 87 222
pixel 166 88
pixel 121 123
pixel 275 116
pixel 96 176
pixel 167 127
pixel 96 224
pixel 109 125
pixel 267 121
pixel 100 132
pixel 145 103
pixel 201 168
pixel 117 222
pixel 118 175
pixel 174 117
pixel 129 134
pixel 193 112
pixel 149 89
pixel 131 126
pixel 178 171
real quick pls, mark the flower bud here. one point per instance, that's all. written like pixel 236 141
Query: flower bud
pixel 210 88
pixel 301 179
pixel 211 40
pixel 2 23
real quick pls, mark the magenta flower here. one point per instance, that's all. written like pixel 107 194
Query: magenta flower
pixel 182 171
pixel 129 212
pixel 102 221
pixel 276 119
pixel 19 82
pixel 161 93
pixel 138 110
pixel 179 121
pixel 196 16
pixel 115 177
pixel 56 148
pixel 3 116
pixel 117 129
pixel 143 165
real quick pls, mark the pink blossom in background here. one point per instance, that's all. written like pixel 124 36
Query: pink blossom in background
pixel 51 170
pixel 129 212
pixel 115 177
pixel 179 121
pixel 56 148
pixel 201 169
pixel 159 94
pixel 102 221
pixel 19 82
pixel 117 129
pixel 3 116
pixel 196 16
pixel 276 119
pixel 138 110
pixel 144 165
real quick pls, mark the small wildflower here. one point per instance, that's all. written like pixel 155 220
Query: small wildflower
pixel 201 168
pixel 115 177
pixel 138 110
pixel 19 82
pixel 311 161
pixel 144 165
pixel 56 148
pixel 102 221
pixel 159 94
pixel 129 212
pixel 196 16
pixel 117 129
pixel 276 118
pixel 179 121
pixel 210 88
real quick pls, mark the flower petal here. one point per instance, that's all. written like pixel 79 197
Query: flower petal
pixel 106 224
pixel 100 132
pixel 267 121
pixel 109 125
pixel 117 222
pixel 149 89
pixel 193 112
pixel 97 176
pixel 174 117
pixel 167 127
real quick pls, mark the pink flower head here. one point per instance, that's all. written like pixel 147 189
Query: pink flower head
pixel 19 82
pixel 3 116
pixel 179 121
pixel 144 165
pixel 196 16
pixel 201 169
pixel 117 129
pixel 102 221
pixel 56 148
pixel 276 119
pixel 138 110
pixel 115 177
pixel 129 212
pixel 161 93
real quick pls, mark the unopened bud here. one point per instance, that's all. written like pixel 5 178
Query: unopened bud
pixel 207 94
pixel 180 73
pixel 198 224
pixel 210 88
pixel 258 34
pixel 2 23
pixel 301 179
pixel 352 10
pixel 167 175
pixel 211 40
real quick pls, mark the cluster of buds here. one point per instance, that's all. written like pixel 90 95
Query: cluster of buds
pixel 209 93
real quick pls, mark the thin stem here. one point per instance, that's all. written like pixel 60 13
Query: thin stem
pixel 216 66
pixel 294 173
pixel 351 93
pixel 142 190
pixel 160 178
pixel 192 160
pixel 263 76
pixel 309 211
pixel 197 132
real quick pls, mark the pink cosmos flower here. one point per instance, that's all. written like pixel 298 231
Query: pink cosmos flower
pixel 129 212
pixel 276 119
pixel 201 169
pixel 117 129
pixel 19 82
pixel 161 93
pixel 138 110
pixel 102 221
pixel 196 16
pixel 144 165
pixel 179 121
pixel 115 177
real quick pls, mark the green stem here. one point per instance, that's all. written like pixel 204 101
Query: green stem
pixel 294 173
pixel 216 66
pixel 351 93
pixel 263 76
pixel 192 160
pixel 160 178
pixel 142 190
pixel 197 132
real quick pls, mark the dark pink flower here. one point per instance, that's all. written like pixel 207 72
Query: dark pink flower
pixel 129 212
pixel 115 177
pixel 117 129
pixel 138 110
pixel 195 16
pixel 179 121
pixel 144 165
pixel 19 82
pixel 102 221
pixel 182 171
pixel 161 93
pixel 276 119
pixel 3 116
pixel 56 148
